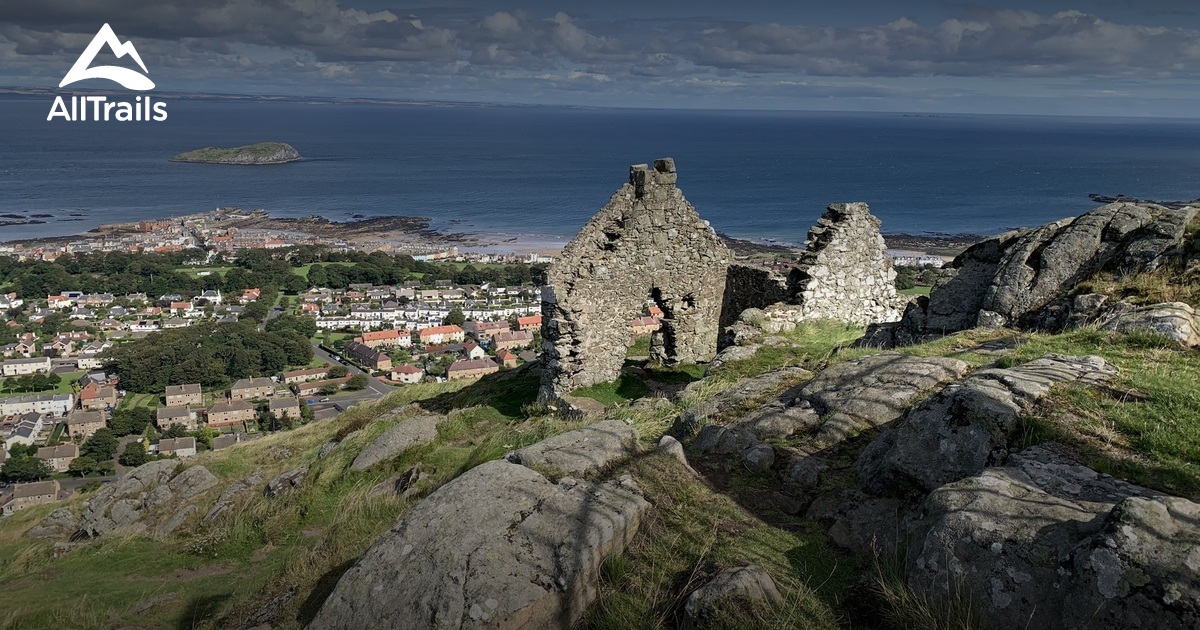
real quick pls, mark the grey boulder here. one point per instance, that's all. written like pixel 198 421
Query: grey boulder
pixel 409 433
pixel 580 452
pixel 498 547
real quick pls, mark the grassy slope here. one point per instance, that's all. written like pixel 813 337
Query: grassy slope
pixel 1146 427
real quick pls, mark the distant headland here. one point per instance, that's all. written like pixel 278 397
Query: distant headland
pixel 251 154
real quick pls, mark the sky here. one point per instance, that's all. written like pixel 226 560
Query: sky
pixel 1080 57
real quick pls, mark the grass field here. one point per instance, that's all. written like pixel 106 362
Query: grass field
pixel 66 386
pixel 917 290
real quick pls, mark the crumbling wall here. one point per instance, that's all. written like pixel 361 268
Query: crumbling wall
pixel 751 287
pixel 844 273
pixel 648 241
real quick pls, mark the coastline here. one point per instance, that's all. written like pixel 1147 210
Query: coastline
pixel 416 234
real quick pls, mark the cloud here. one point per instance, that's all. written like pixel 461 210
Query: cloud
pixel 315 45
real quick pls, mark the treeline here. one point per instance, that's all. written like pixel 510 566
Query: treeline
pixel 154 274
pixel 208 353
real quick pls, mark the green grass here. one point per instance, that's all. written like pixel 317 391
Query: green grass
pixel 695 531
pixel 617 392
pixel 1145 427
pixel 917 290
pixel 640 347
pixel 66 386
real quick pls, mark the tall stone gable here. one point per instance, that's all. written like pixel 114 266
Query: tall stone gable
pixel 648 241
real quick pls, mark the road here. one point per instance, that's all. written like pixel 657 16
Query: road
pixel 375 389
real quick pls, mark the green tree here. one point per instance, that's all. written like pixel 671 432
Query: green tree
pixel 82 466
pixel 338 371
pixel 25 468
pixel 134 455
pixel 455 317
pixel 102 446
pixel 175 431
pixel 357 382
pixel 329 390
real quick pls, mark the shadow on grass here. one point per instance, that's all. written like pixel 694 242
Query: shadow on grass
pixel 200 610
pixel 321 591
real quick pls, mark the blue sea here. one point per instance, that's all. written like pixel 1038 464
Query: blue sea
pixel 545 171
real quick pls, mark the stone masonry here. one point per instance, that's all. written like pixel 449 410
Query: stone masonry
pixel 647 242
pixel 843 275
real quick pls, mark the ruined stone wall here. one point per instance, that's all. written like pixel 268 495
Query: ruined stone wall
pixel 648 240
pixel 750 287
pixel 844 273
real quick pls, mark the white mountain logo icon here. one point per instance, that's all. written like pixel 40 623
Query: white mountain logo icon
pixel 129 79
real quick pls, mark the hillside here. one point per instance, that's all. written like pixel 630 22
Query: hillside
pixel 251 154
pixel 1040 475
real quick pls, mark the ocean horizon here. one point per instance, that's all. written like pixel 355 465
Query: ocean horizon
pixel 542 172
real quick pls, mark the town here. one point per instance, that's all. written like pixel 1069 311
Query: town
pixel 96 382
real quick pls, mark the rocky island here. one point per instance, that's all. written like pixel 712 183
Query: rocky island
pixel 251 154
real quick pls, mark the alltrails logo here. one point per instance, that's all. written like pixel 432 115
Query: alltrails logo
pixel 99 107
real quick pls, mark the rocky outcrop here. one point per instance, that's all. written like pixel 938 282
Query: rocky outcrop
pixel 734 399
pixel 968 425
pixel 583 452
pixel 145 496
pixel 748 585
pixel 499 547
pixel 61 523
pixel 1045 543
pixel 1174 321
pixel 648 241
pixel 1007 280
pixel 251 154
pixel 839 402
pixel 409 433
pixel 285 483
pixel 231 495
pixel 122 504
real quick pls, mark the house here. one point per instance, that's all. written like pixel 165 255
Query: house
pixel 250 295
pixel 184 395
pixel 182 308
pixel 82 424
pixel 213 297
pixel 472 350
pixel 59 301
pixel 97 396
pixel 367 356
pixel 471 368
pixel 27 495
pixel 377 338
pixel 225 413
pixel 407 374
pixel 442 334
pixel 21 367
pixel 248 388
pixel 529 323
pixel 225 440
pixel 301 376
pixel 510 340
pixel 49 404
pixel 175 322
pixel 506 358
pixel 285 407
pixel 484 331
pixel 313 388
pixel 179 447
pixel 644 325
pixel 167 416
pixel 59 457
